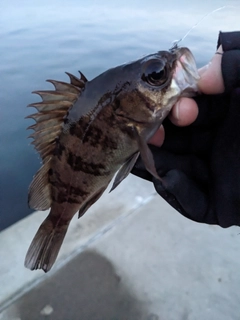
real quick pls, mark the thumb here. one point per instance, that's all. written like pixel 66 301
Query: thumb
pixel 211 80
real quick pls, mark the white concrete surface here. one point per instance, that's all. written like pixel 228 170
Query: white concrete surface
pixel 171 267
pixel 16 279
pixel 177 268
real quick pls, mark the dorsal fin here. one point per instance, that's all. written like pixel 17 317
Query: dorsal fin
pixel 63 86
pixel 77 82
pixel 83 78
pixel 49 120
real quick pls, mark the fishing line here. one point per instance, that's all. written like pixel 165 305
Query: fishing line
pixel 176 42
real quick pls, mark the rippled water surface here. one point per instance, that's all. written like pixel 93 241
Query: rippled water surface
pixel 43 39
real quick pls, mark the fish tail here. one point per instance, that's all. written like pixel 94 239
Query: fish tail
pixel 46 244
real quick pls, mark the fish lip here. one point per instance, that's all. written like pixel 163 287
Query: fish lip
pixel 186 74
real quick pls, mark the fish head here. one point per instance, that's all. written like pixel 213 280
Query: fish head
pixel 158 81
pixel 141 91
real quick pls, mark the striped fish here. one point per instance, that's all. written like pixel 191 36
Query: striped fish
pixel 86 131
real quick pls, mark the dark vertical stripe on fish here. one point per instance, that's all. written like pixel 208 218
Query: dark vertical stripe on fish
pixel 77 163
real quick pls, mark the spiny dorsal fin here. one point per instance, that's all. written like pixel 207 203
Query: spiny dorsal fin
pixel 51 105
pixel 52 110
pixel 77 82
pixel 49 120
pixel 51 95
pixel 83 78
pixel 63 86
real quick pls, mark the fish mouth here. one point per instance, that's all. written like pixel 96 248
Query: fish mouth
pixel 186 74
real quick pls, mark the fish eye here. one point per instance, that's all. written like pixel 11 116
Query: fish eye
pixel 155 72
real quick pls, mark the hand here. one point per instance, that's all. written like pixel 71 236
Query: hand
pixel 200 163
pixel 185 111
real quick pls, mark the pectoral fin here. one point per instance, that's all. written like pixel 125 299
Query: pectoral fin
pixel 125 170
pixel 146 156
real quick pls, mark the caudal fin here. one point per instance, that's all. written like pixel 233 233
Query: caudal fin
pixel 46 244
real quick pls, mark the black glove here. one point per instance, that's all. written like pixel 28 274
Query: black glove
pixel 200 163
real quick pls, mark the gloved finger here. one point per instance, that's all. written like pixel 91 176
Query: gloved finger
pixel 226 166
pixel 189 140
pixel 190 164
pixel 185 196
pixel 211 79
pixel 167 196
pixel 230 42
pixel 141 173
pixel 165 161
pixel 212 109
pixel 231 69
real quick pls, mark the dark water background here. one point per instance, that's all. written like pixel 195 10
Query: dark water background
pixel 43 39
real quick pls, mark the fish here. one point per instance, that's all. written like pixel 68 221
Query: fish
pixel 87 132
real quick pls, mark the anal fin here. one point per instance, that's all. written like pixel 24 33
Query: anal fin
pixel 90 202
